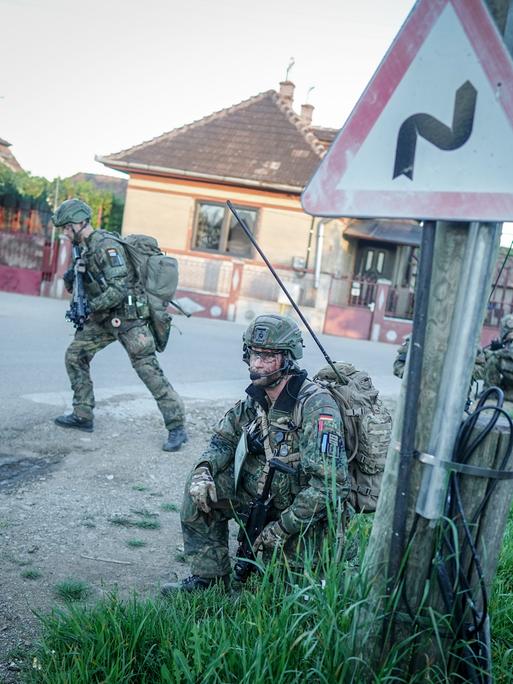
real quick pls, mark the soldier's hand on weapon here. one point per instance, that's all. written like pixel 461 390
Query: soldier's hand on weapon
pixel 203 488
pixel 272 536
pixel 80 266
pixel 68 278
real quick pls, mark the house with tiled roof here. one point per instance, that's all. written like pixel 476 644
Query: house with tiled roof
pixel 7 158
pixel 259 153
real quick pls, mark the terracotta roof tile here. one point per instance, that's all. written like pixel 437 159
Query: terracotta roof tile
pixel 258 141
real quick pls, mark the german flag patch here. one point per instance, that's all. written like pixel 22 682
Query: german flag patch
pixel 325 420
pixel 114 257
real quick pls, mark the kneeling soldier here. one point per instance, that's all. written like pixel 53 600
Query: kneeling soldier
pixel 286 417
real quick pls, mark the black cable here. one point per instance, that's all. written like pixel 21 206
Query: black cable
pixel 454 571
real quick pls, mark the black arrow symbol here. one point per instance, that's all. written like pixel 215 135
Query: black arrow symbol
pixel 434 131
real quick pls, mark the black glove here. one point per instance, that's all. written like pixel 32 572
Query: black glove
pixel 495 345
pixel 68 278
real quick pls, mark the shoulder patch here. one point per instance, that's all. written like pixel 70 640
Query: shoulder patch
pixel 114 257
pixel 324 420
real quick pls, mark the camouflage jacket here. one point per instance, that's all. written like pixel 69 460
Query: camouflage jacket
pixel 314 448
pixel 478 371
pixel 109 274
pixel 499 369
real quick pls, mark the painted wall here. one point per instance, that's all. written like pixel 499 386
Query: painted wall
pixel 283 234
pixel 339 253
pixel 21 280
pixel 165 208
pixel 158 213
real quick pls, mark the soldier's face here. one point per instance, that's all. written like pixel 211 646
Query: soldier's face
pixel 264 366
pixel 71 231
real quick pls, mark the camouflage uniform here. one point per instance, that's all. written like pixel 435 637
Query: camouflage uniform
pixel 305 430
pixel 400 359
pixel 478 372
pixel 499 360
pixel 109 280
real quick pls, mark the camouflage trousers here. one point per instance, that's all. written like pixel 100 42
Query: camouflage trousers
pixel 206 536
pixel 140 346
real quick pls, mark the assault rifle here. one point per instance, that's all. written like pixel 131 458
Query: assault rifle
pixel 79 308
pixel 256 520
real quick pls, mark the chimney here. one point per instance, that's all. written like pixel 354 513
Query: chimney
pixel 287 92
pixel 307 113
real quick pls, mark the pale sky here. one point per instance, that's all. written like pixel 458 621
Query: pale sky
pixel 81 78
pixel 91 77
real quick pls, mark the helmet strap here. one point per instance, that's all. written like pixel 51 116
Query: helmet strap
pixel 77 234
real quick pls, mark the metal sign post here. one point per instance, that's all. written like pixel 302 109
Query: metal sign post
pixel 431 137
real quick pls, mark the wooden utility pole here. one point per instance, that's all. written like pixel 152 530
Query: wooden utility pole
pixel 400 559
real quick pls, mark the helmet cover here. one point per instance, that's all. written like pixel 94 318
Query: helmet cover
pixel 71 211
pixel 274 332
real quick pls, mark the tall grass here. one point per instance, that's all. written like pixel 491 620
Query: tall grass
pixel 284 627
pixel 501 610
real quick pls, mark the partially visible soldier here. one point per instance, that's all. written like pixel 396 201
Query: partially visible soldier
pixel 499 359
pixel 284 416
pixel 109 280
pixel 400 359
pixel 402 353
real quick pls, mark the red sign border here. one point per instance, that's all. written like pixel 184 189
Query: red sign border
pixel 496 63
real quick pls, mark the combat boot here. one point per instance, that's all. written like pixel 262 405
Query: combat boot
pixel 195 583
pixel 177 436
pixel 76 422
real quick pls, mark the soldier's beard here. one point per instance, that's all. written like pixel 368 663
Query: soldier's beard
pixel 266 379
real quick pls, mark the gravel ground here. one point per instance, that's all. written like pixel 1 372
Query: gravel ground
pixel 71 501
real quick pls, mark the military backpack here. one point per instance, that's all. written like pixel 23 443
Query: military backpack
pixel 157 274
pixel 367 430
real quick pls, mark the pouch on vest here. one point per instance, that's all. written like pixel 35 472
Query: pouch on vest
pixel 240 456
pixel 159 321
pixel 157 275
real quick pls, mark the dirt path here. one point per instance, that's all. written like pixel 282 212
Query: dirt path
pixel 70 504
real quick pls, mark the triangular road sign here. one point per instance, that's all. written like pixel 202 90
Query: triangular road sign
pixel 432 135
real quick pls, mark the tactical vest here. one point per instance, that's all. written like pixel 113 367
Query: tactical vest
pixel 279 438
pixel 99 275
pixel 156 278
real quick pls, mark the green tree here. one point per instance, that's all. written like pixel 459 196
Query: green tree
pixel 107 209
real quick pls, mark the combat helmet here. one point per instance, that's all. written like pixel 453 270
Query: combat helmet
pixel 271 331
pixel 506 328
pixel 71 211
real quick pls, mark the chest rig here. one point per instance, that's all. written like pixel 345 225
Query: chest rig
pixel 272 433
pixel 280 441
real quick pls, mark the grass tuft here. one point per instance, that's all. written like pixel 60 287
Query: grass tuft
pixel 135 543
pixel 72 590
pixel 169 507
pixel 145 520
pixel 147 524
pixel 121 520
pixel 31 574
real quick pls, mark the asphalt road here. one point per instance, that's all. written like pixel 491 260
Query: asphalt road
pixel 203 361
